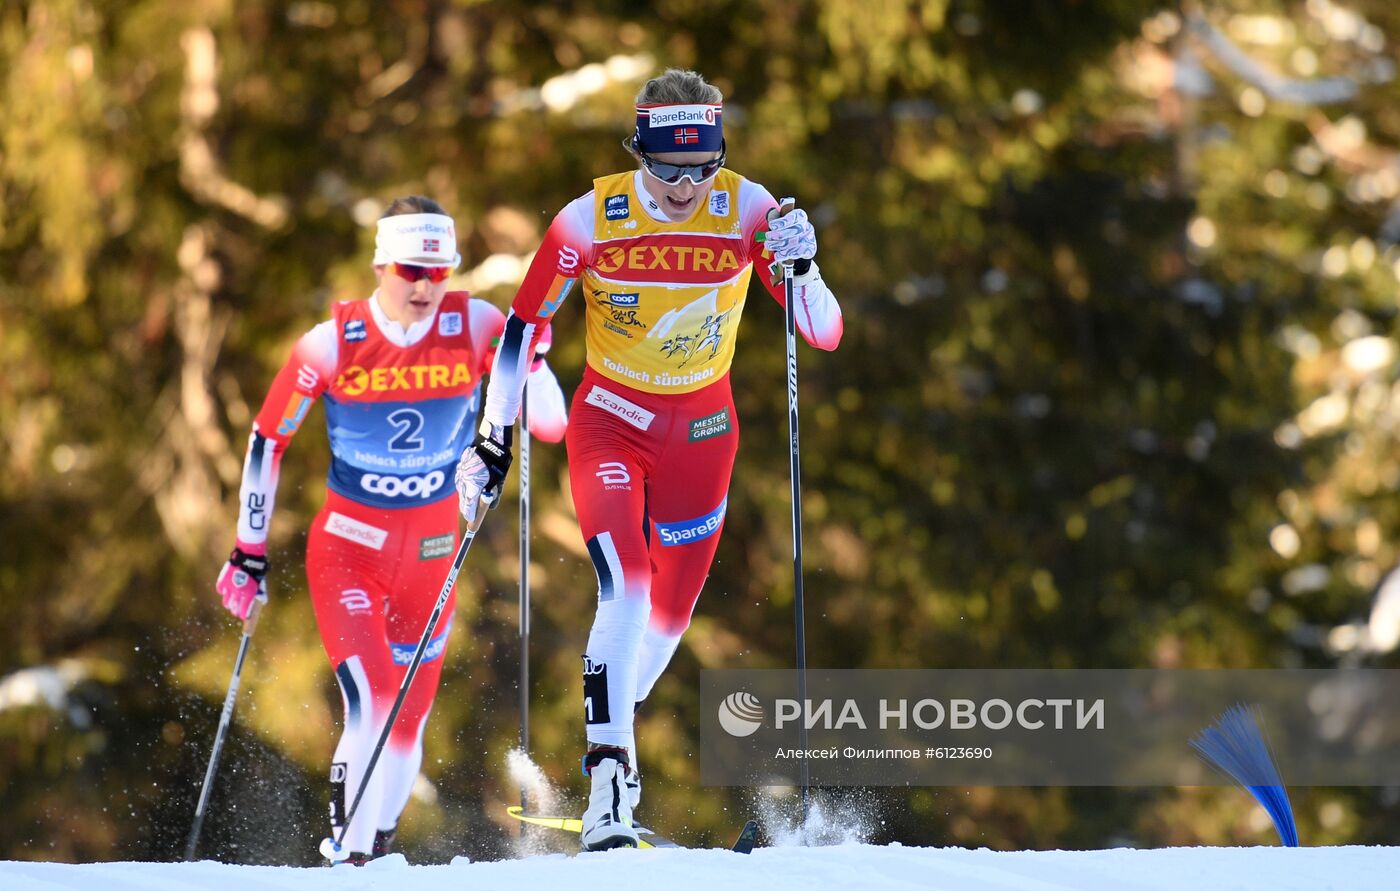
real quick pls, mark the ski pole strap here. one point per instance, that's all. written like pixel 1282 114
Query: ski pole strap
pixel 253 564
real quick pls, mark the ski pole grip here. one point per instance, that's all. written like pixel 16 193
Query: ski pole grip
pixel 251 623
pixel 785 207
pixel 483 504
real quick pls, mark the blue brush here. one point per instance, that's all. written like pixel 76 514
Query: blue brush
pixel 1236 745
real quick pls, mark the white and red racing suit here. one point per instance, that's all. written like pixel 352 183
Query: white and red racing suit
pixel 400 404
pixel 654 431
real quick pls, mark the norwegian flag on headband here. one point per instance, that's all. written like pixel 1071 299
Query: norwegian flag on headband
pixel 699 127
pixel 430 245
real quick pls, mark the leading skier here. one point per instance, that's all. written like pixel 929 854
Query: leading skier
pixel 661 258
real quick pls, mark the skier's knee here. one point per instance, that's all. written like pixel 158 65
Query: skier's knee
pixel 615 583
pixel 665 623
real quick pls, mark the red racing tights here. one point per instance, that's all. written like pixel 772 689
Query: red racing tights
pixel 375 575
pixel 650 477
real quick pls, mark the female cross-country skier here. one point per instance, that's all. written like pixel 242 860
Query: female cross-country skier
pixel 661 258
pixel 400 374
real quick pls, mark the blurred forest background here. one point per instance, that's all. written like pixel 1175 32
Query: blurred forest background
pixel 1117 390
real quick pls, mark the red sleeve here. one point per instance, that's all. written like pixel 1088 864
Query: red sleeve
pixel 754 204
pixel 567 249
pixel 816 312
pixel 296 388
pixel 302 380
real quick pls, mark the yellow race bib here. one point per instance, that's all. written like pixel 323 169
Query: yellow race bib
pixel 664 299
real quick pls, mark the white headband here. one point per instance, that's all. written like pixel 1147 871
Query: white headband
pixel 424 239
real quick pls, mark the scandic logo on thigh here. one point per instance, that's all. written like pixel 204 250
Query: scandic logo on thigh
pixel 629 411
pixel 411 486
pixel 687 531
pixel 353 530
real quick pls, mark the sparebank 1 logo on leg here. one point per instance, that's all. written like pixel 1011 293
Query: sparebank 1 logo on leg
pixel 687 531
pixel 402 653
pixel 741 714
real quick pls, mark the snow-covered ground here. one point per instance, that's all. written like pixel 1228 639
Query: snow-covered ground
pixel 770 869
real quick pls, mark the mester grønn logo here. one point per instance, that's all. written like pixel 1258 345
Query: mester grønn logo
pixel 740 714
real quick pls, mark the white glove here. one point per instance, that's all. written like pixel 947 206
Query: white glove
pixel 791 236
pixel 472 477
pixel 482 470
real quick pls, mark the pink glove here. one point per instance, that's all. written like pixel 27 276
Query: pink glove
pixel 241 580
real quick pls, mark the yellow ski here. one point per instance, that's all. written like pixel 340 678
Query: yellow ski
pixel 744 844
pixel 647 838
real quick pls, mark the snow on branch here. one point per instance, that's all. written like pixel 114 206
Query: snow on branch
pixel 199 169
pixel 1318 91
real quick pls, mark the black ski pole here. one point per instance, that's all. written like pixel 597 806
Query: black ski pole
pixel 331 847
pixel 225 720
pixel 795 472
pixel 524 593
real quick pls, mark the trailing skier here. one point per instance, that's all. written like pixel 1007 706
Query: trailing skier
pixel 401 374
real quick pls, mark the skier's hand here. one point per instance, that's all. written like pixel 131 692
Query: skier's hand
pixel 790 237
pixel 243 579
pixel 482 470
